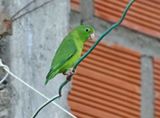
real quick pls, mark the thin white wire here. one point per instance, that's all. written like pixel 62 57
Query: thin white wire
pixel 43 105
pixel 41 94
pixel 6 75
pixel 4 78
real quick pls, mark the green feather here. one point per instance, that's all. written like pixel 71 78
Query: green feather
pixel 50 75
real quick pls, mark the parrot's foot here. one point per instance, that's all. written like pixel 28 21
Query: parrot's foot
pixel 70 74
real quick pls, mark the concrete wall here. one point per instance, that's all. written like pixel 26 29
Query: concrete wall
pixel 31 48
pixel 6 90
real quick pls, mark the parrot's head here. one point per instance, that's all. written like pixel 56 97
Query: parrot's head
pixel 85 32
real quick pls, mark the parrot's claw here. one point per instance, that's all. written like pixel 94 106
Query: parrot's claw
pixel 70 74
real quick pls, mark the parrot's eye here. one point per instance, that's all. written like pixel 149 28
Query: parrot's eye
pixel 87 30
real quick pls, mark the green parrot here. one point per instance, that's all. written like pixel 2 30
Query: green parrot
pixel 70 50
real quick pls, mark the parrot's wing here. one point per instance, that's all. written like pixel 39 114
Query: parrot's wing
pixel 65 52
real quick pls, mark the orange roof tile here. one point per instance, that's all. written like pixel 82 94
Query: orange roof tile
pixel 107 84
pixel 156 65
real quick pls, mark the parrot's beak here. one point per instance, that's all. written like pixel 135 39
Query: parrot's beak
pixel 92 36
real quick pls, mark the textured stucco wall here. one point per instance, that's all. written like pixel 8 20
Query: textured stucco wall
pixel 6 90
pixel 31 48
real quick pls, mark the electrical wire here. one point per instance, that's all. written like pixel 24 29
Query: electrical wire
pixel 16 17
pixel 87 53
pixel 6 75
pixel 6 68
pixel 52 99
pixel 105 33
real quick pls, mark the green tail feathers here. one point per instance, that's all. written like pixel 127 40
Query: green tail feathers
pixel 50 75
